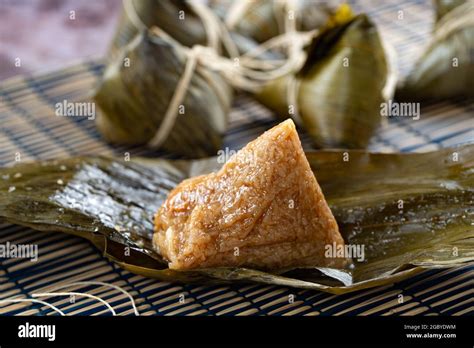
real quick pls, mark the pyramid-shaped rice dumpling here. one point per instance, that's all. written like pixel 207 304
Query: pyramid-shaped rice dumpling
pixel 263 209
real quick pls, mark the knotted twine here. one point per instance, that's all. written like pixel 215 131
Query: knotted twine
pixel 245 72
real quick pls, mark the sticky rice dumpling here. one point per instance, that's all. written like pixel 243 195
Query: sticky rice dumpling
pixel 173 16
pixel 263 209
pixel 339 90
pixel 446 67
pixel 178 19
pixel 135 92
pixel 442 7
pixel 264 19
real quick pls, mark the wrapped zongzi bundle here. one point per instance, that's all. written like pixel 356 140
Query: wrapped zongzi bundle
pixel 175 17
pixel 135 96
pixel 446 67
pixel 442 7
pixel 188 22
pixel 262 20
pixel 338 93
pixel 262 209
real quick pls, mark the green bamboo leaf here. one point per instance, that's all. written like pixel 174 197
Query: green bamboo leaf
pixel 409 211
pixel 175 17
pixel 137 88
pixel 446 67
pixel 443 7
pixel 178 20
pixel 341 86
pixel 263 20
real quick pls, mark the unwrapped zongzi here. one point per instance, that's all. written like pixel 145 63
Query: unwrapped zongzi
pixel 262 209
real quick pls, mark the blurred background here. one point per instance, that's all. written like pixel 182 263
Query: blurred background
pixel 44 35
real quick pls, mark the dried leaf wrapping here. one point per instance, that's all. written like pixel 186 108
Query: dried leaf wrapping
pixel 175 17
pixel 442 7
pixel 446 67
pixel 409 211
pixel 340 86
pixel 139 93
pixel 264 19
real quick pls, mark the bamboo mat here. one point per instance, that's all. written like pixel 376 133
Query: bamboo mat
pixel 28 126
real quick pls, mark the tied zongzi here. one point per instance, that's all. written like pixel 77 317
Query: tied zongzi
pixel 445 6
pixel 446 67
pixel 262 20
pixel 134 99
pixel 189 23
pixel 175 17
pixel 339 90
pixel 262 209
